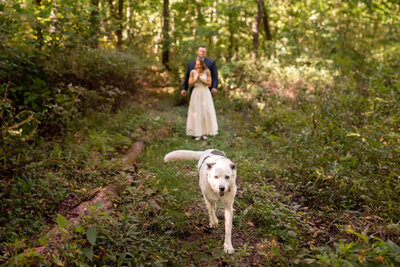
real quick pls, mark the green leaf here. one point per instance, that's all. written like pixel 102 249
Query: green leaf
pixel 88 252
pixel 276 252
pixel 397 259
pixel 57 260
pixel 98 205
pixel 91 235
pixel 364 237
pixel 79 229
pixel 62 222
pixel 393 246
pixel 292 234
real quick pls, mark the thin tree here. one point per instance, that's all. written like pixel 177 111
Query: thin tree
pixel 231 29
pixel 117 18
pixel 95 22
pixel 256 26
pixel 130 21
pixel 120 22
pixel 261 14
pixel 166 40
pixel 265 20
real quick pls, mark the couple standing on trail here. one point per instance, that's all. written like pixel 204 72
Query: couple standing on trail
pixel 202 78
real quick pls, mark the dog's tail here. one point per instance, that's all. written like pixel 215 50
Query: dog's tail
pixel 183 155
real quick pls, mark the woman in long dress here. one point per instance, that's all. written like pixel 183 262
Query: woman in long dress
pixel 201 120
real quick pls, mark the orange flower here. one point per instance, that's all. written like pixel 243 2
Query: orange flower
pixel 381 259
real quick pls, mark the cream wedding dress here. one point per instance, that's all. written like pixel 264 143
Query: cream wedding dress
pixel 201 119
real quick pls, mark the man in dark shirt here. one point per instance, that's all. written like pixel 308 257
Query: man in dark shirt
pixel 201 54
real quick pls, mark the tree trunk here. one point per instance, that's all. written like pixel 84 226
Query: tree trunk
pixel 120 23
pixel 113 17
pixel 130 22
pixel 230 46
pixel 256 25
pixel 265 20
pixel 95 22
pixel 165 30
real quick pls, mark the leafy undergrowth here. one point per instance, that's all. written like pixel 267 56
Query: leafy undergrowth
pixel 290 209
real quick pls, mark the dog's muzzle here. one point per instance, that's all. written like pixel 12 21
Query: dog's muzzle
pixel 221 190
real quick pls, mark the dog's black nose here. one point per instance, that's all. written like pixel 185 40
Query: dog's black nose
pixel 221 188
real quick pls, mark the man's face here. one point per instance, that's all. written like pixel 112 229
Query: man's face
pixel 202 52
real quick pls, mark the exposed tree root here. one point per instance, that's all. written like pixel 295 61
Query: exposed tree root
pixel 104 195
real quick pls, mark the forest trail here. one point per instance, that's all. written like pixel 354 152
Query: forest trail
pixel 201 244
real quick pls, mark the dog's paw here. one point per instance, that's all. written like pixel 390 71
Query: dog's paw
pixel 229 249
pixel 214 223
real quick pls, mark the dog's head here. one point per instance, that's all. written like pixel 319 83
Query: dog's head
pixel 221 176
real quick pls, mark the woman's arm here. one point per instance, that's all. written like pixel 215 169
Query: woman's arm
pixel 192 81
pixel 208 81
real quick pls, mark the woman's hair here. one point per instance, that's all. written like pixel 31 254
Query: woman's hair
pixel 203 65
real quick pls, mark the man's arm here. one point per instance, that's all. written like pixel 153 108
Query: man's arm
pixel 214 74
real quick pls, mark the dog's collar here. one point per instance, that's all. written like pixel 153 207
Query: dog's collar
pixel 215 153
pixel 198 173
pixel 203 162
pixel 218 153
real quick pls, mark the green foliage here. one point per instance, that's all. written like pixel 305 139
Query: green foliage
pixel 374 252
pixel 243 80
pixel 337 136
pixel 337 153
pixel 313 124
pixel 61 88
pixel 62 222
pixel 54 171
pixel 94 69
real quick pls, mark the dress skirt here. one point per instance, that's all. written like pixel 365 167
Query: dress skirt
pixel 201 119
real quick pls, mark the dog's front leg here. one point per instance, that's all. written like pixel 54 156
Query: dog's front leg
pixel 228 248
pixel 211 206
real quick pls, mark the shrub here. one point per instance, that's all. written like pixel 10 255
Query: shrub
pixel 93 68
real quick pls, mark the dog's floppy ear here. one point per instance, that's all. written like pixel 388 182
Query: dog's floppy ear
pixel 233 166
pixel 209 165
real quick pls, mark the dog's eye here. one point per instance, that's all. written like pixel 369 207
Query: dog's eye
pixel 216 177
pixel 227 177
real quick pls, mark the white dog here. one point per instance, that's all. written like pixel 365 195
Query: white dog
pixel 217 180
